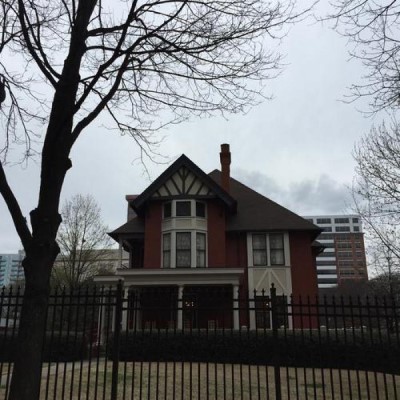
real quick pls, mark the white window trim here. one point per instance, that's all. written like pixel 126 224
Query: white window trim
pixel 193 250
pixel 192 209
pixel 286 248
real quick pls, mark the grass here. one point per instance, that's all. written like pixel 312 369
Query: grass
pixel 146 380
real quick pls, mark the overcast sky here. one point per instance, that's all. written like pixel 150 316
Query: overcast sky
pixel 295 149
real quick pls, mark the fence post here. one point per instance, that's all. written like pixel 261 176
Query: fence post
pixel 116 339
pixel 277 369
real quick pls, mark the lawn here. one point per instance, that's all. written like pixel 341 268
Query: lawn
pixel 170 381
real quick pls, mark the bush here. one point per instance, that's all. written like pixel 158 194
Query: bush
pixel 59 347
pixel 292 349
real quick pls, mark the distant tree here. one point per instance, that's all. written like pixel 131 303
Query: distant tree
pixel 63 63
pixel 376 189
pixel 373 28
pixel 84 243
pixel 386 269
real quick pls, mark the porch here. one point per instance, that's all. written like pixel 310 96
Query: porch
pixel 206 298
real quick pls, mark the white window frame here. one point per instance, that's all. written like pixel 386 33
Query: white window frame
pixel 286 249
pixel 192 208
pixel 193 248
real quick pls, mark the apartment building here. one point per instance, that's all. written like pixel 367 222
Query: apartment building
pixel 10 268
pixel 344 256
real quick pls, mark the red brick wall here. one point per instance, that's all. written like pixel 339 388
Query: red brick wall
pixel 236 250
pixel 152 236
pixel 304 273
pixel 304 277
pixel 216 234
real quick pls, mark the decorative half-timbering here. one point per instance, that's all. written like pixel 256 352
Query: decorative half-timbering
pixel 201 236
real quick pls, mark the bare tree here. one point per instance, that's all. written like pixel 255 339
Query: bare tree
pixel 376 187
pixel 373 28
pixel 84 243
pixel 386 266
pixel 66 62
pixel 376 194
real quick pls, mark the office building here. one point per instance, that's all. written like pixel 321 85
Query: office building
pixel 11 270
pixel 344 256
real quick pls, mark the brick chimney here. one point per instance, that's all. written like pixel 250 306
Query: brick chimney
pixel 225 157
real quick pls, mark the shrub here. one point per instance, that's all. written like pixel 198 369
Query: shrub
pixel 58 347
pixel 293 349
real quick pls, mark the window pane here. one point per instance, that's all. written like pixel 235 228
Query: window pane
pixel 200 209
pixel 200 250
pixel 167 250
pixel 183 258
pixel 201 241
pixel 183 240
pixel 259 242
pixel 183 208
pixel 201 259
pixel 183 249
pixel 277 257
pixel 276 241
pixel 166 259
pixel 167 210
pixel 167 241
pixel 259 257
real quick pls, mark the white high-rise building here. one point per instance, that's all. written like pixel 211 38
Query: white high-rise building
pixel 10 268
pixel 344 256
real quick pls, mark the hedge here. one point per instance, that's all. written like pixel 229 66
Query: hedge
pixel 308 349
pixel 58 347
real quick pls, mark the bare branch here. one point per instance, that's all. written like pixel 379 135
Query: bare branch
pixel 373 28
pixel 15 211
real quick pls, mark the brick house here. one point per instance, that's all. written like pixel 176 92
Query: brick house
pixel 205 239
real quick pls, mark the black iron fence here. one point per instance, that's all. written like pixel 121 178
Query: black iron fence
pixel 209 343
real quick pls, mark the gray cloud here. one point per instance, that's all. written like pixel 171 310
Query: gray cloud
pixel 323 195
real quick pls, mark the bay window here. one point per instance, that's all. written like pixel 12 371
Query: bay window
pixel 184 234
pixel 200 250
pixel 166 250
pixel 183 249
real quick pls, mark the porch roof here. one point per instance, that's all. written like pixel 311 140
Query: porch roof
pixel 173 276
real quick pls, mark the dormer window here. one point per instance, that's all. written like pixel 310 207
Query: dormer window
pixel 183 208
pixel 184 229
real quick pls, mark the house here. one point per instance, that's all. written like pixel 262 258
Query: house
pixel 207 242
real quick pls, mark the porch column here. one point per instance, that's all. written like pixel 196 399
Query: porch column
pixel 125 309
pixel 120 254
pixel 235 307
pixel 252 310
pixel 179 319
pixel 101 334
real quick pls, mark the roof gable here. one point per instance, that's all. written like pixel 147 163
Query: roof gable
pixel 183 179
pixel 183 183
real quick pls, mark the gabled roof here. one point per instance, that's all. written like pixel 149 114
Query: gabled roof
pixel 256 212
pixel 152 191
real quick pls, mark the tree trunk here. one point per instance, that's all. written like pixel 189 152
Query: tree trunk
pixel 26 377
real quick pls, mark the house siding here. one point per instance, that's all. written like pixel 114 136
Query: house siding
pixel 216 223
pixel 152 236
pixel 304 276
